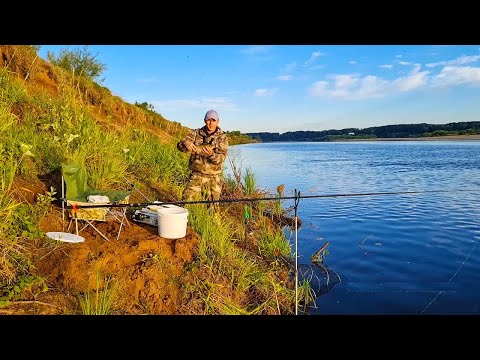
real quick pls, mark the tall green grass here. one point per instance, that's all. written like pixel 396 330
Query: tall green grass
pixel 273 244
pixel 156 160
pixel 98 301
pixel 250 182
pixel 64 132
pixel 12 257
pixel 12 90
pixel 220 257
pixel 7 119
pixel 10 247
pixel 249 287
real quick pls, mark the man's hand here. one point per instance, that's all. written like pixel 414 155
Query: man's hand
pixel 190 146
pixel 207 150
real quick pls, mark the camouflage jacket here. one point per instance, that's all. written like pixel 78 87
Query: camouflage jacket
pixel 212 164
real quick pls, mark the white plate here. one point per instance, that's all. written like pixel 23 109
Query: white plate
pixel 65 237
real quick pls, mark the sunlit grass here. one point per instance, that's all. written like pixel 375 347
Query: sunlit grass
pixel 230 272
pixel 250 182
pixel 12 91
pixel 273 244
pixel 12 254
pixel 98 301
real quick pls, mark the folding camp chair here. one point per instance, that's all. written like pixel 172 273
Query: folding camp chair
pixel 74 178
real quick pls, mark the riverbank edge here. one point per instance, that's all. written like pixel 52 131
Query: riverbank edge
pixel 432 138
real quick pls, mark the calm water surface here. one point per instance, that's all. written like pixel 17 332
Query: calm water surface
pixel 389 254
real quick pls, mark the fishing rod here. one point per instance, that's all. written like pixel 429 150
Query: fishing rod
pixel 93 205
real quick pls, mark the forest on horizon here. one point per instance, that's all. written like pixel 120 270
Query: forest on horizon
pixel 386 131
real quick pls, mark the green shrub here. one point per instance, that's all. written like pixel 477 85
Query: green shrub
pixel 80 62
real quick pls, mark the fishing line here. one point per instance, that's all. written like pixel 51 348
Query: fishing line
pixel 266 198
pixel 464 261
pixel 431 302
pixel 456 272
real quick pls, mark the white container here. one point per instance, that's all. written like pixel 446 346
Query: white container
pixel 172 221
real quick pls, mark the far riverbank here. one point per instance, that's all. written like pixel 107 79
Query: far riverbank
pixel 433 138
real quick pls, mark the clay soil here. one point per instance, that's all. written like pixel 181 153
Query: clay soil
pixel 146 269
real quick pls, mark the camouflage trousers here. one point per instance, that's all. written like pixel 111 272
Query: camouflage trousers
pixel 203 187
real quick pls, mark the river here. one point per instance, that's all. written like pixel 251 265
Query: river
pixel 387 254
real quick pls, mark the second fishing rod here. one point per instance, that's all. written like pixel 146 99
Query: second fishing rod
pixel 296 197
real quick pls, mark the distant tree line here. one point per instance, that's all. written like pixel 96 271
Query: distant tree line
pixel 387 131
pixel 236 138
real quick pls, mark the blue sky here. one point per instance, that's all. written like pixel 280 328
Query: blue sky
pixel 296 87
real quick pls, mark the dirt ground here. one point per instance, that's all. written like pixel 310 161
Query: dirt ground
pixel 145 265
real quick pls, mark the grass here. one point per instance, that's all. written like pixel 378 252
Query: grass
pixel 274 244
pixel 99 301
pixel 246 283
pixel 250 182
pixel 306 295
pixel 11 250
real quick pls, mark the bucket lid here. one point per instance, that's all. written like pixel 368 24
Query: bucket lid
pixel 172 210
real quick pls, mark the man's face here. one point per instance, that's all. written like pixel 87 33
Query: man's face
pixel 211 125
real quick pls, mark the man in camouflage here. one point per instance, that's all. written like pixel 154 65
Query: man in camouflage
pixel 208 146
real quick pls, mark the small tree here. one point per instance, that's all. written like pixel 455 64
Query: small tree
pixel 80 62
pixel 145 106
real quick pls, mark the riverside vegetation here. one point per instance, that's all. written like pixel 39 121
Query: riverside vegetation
pixel 56 111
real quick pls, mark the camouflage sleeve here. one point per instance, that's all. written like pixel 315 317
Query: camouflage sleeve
pixel 220 153
pixel 190 137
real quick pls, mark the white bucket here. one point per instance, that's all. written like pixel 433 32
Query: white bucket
pixel 172 221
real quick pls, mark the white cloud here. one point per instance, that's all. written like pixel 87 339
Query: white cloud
pixel 398 56
pixel 461 60
pixel 284 77
pixel 370 86
pixel 411 82
pixel 265 92
pixel 457 75
pixel 319 88
pixel 352 62
pixel 313 57
pixel 354 86
pixel 345 81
